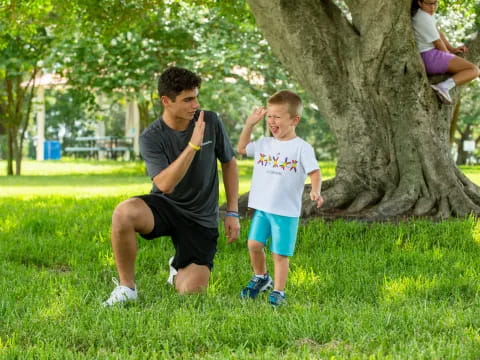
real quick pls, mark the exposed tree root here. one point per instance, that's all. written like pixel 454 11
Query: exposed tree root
pixel 340 195
pixel 402 200
pixel 472 190
pixel 438 200
pixel 443 209
pixel 461 204
pixel 364 200
pixel 424 206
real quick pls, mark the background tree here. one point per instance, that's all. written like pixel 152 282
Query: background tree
pixel 360 63
pixel 18 70
pixel 24 41
pixel 468 121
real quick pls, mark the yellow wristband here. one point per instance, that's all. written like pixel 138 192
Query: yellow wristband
pixel 194 147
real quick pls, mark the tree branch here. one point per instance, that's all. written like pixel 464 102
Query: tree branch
pixel 31 83
pixel 312 29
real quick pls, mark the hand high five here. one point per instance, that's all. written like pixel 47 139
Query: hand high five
pixel 198 131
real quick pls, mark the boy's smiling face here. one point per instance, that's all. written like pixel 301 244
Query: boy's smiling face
pixel 280 122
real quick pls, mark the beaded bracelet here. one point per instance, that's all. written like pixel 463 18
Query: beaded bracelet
pixel 232 215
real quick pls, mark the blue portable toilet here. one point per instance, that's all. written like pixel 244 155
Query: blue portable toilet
pixel 52 150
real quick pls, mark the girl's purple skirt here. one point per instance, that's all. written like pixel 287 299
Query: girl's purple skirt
pixel 436 61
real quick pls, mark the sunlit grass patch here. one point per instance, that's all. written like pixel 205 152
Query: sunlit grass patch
pixel 407 287
pixel 305 280
pixel 77 167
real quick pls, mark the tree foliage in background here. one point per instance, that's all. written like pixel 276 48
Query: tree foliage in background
pixel 68 116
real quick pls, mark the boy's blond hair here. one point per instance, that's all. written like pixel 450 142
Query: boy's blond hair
pixel 293 101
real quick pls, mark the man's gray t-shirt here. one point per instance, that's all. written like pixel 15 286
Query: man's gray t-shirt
pixel 196 195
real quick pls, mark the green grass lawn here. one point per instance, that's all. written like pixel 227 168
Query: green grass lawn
pixel 355 291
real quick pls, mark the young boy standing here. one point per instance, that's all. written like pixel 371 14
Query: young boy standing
pixel 281 165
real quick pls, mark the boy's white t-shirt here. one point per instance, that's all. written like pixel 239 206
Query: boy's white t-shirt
pixel 425 30
pixel 279 173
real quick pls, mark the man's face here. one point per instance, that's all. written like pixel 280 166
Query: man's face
pixel 184 106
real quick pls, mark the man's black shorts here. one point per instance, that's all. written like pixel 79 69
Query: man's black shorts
pixel 194 244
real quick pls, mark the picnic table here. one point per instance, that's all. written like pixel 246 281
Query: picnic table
pixel 93 146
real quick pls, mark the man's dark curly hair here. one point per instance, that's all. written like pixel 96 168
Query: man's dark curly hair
pixel 174 80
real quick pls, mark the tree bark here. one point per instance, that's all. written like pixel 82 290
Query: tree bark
pixel 362 66
pixel 9 152
pixel 16 110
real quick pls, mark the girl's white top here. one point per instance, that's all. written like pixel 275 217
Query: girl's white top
pixel 425 30
pixel 279 173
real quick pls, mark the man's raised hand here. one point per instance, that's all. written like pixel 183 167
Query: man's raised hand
pixel 198 131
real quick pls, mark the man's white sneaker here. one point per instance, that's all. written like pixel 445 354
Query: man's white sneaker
pixel 442 93
pixel 120 294
pixel 173 271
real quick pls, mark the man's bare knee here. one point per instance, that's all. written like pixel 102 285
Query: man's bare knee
pixel 133 213
pixel 192 279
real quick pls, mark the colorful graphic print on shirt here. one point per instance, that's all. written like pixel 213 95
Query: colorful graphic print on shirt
pixel 275 162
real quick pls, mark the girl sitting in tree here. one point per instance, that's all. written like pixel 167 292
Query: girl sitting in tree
pixel 437 53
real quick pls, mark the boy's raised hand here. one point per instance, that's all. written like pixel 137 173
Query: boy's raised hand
pixel 256 115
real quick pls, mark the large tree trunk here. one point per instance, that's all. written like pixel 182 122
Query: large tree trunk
pixel 368 81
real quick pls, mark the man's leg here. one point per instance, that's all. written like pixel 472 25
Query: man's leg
pixel 192 279
pixel 130 216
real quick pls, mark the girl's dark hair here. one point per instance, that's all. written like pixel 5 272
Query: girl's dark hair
pixel 174 80
pixel 415 7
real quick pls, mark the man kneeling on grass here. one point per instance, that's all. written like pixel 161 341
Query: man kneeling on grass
pixel 180 151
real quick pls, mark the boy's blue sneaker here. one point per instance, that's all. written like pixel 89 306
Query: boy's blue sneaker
pixel 276 299
pixel 255 286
